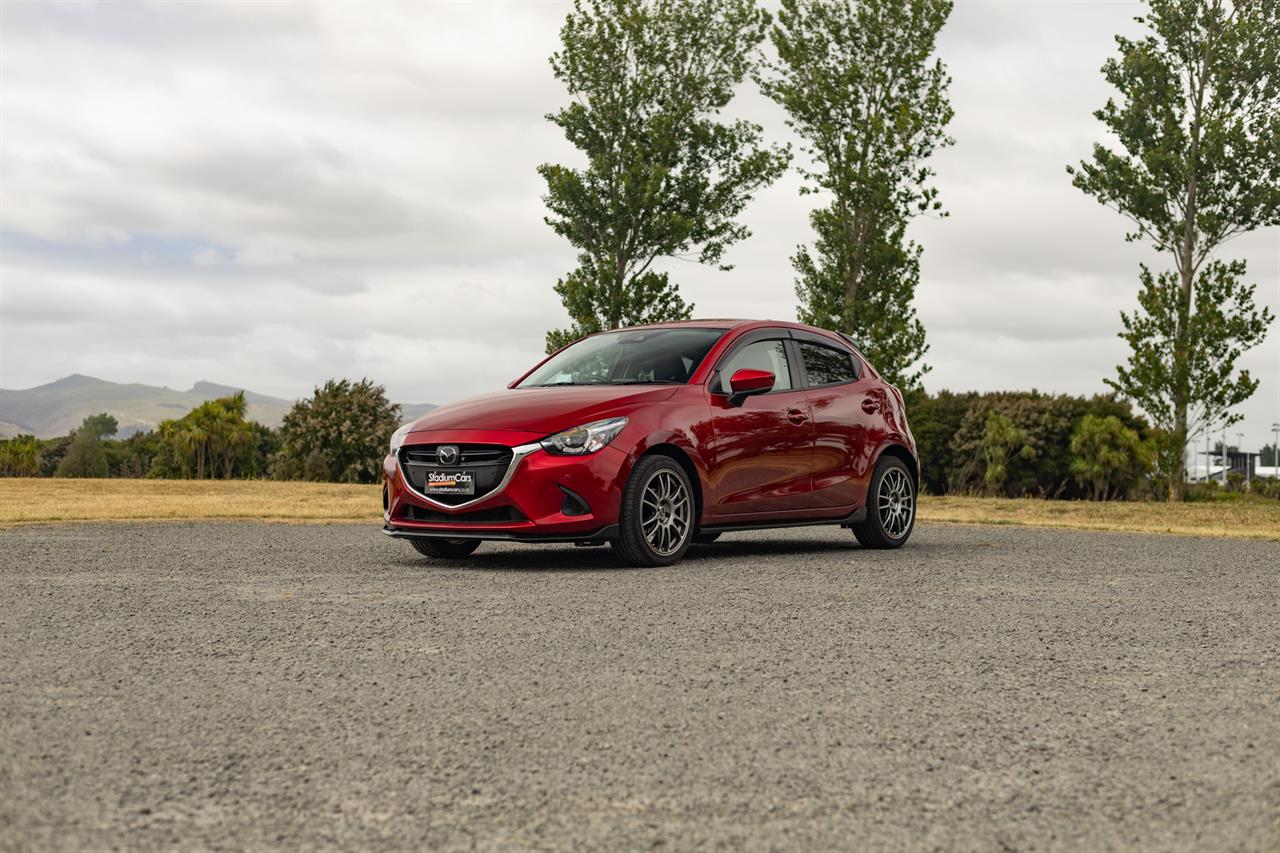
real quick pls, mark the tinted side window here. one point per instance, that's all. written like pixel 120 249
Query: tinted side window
pixel 761 355
pixel 826 365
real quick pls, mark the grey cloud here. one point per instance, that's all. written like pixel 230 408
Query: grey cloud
pixel 272 193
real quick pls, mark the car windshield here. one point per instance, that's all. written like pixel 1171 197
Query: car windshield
pixel 629 357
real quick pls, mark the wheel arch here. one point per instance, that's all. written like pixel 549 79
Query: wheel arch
pixel 682 458
pixel 904 453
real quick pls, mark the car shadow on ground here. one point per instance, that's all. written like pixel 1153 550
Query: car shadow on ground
pixel 559 558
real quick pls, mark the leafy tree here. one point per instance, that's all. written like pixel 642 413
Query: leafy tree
pixel 103 425
pixel 1107 456
pixel 20 456
pixel 1268 455
pixel 86 456
pixel 1198 122
pixel 266 444
pixel 340 434
pixel 134 456
pixel 315 468
pixel 664 176
pixel 885 325
pixel 1002 441
pixel 1201 369
pixel 54 450
pixel 860 85
pixel 212 441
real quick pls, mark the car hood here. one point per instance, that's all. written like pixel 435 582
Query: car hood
pixel 541 410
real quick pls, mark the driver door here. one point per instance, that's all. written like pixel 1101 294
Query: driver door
pixel 761 453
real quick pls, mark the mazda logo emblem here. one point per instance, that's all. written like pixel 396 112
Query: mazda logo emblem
pixel 447 454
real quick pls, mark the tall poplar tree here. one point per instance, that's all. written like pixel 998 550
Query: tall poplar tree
pixel 1197 119
pixel 862 87
pixel 665 176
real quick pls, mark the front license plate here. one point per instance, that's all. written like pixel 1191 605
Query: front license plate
pixel 450 483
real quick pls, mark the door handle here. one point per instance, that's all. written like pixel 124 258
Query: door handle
pixel 797 416
pixel 870 406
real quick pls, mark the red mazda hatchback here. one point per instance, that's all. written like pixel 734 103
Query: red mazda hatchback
pixel 655 437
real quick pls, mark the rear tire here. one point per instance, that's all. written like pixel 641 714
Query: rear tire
pixel 655 524
pixel 445 549
pixel 891 506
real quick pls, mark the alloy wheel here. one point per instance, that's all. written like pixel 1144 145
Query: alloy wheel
pixel 896 503
pixel 666 512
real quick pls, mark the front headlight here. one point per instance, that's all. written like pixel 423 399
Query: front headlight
pixel 584 439
pixel 397 437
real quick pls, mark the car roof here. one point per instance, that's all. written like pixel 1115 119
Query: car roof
pixel 730 323
pixel 705 323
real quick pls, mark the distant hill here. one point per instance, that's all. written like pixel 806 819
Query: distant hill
pixel 59 407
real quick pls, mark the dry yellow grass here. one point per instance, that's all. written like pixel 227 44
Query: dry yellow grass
pixel 1231 519
pixel 24 501
pixel 40 500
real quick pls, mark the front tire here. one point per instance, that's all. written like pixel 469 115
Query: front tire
pixel 445 549
pixel 656 520
pixel 891 506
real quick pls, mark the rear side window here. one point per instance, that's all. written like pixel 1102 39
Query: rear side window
pixel 761 355
pixel 826 365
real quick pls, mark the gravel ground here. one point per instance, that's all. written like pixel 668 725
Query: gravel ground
pixel 244 686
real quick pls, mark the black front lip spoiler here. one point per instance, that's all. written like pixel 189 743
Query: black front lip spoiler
pixel 605 534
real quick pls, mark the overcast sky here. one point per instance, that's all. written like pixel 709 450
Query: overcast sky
pixel 265 194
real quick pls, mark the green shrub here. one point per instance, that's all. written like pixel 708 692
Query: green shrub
pixel 340 434
pixel 1046 423
pixel 1107 457
pixel 935 419
pixel 20 456
pixel 134 456
pixel 85 455
pixel 1267 487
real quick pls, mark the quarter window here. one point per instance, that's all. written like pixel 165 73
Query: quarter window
pixel 826 365
pixel 761 355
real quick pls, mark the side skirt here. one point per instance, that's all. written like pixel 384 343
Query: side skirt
pixel 858 516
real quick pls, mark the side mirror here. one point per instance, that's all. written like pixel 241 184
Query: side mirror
pixel 747 382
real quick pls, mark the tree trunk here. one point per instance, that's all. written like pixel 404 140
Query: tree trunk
pixel 1187 271
pixel 1181 344
pixel 853 277
pixel 618 296
pixel 1178 471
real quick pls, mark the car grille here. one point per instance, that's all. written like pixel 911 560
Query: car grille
pixel 488 463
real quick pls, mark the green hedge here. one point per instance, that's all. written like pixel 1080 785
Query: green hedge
pixel 955 439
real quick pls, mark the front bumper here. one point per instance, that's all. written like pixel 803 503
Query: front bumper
pixel 535 493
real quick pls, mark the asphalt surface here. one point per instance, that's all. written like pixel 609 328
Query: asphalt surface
pixel 256 686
